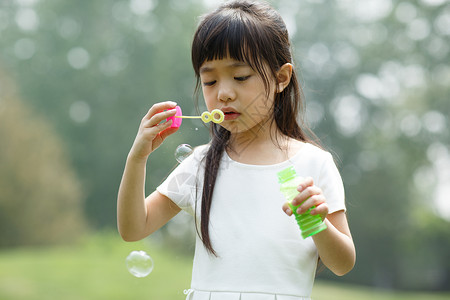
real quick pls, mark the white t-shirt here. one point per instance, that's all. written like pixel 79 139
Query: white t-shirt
pixel 261 252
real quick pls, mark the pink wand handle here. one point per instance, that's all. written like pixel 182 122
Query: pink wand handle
pixel 176 122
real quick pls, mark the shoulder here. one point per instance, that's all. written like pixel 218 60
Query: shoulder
pixel 195 158
pixel 295 146
pixel 200 151
pixel 305 149
pixel 313 158
pixel 316 150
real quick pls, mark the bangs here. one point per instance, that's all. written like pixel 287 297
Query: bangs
pixel 228 37
pixel 233 34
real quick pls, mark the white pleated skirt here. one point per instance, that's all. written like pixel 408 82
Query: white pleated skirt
pixel 213 295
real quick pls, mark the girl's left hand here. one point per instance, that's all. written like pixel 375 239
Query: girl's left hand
pixel 309 195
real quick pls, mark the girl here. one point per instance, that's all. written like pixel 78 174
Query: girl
pixel 246 247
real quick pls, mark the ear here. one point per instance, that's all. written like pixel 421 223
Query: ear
pixel 284 75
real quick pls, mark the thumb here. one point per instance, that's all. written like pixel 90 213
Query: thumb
pixel 165 133
pixel 287 209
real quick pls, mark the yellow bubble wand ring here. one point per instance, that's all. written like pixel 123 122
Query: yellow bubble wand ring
pixel 216 116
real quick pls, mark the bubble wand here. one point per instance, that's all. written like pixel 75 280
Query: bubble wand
pixel 216 116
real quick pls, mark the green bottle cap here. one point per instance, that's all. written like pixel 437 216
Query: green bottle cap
pixel 286 174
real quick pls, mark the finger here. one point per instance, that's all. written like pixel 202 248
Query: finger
pixel 160 127
pixel 150 132
pixel 170 130
pixel 159 118
pixel 321 210
pixel 287 210
pixel 158 133
pixel 158 107
pixel 315 200
pixel 308 181
pixel 305 194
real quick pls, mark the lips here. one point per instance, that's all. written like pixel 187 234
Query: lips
pixel 230 113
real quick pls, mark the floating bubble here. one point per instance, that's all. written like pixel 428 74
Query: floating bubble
pixel 182 152
pixel 139 263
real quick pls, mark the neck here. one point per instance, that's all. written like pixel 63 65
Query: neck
pixel 259 145
pixel 262 133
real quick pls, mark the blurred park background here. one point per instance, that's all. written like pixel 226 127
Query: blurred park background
pixel 76 77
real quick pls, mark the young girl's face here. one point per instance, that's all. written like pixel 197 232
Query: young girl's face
pixel 235 88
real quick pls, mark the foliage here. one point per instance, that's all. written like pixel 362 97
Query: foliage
pixel 40 195
pixel 94 68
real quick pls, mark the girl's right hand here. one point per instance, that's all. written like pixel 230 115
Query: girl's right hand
pixel 152 130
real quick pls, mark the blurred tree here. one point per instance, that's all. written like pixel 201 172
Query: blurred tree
pixel 94 68
pixel 40 194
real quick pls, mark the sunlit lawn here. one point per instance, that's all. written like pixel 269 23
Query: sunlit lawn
pixel 95 269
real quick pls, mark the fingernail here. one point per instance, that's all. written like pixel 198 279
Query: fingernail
pixel 300 188
pixel 288 211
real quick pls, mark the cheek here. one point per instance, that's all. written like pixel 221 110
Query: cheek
pixel 261 98
pixel 208 97
pixel 261 102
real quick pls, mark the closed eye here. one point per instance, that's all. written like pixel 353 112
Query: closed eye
pixel 209 83
pixel 242 78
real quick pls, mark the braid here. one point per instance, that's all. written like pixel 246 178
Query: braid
pixel 220 138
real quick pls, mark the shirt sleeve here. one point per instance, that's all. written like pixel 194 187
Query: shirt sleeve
pixel 330 182
pixel 181 186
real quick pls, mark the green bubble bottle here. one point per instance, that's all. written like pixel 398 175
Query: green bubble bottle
pixel 309 224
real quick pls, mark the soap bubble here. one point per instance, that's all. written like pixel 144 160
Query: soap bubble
pixel 139 263
pixel 183 151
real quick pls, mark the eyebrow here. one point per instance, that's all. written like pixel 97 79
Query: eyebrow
pixel 237 64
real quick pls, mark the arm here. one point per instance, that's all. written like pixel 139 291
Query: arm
pixel 138 216
pixel 335 244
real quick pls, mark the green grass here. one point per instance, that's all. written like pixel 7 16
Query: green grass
pixel 333 291
pixel 95 269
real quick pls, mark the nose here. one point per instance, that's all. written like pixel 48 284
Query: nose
pixel 226 92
